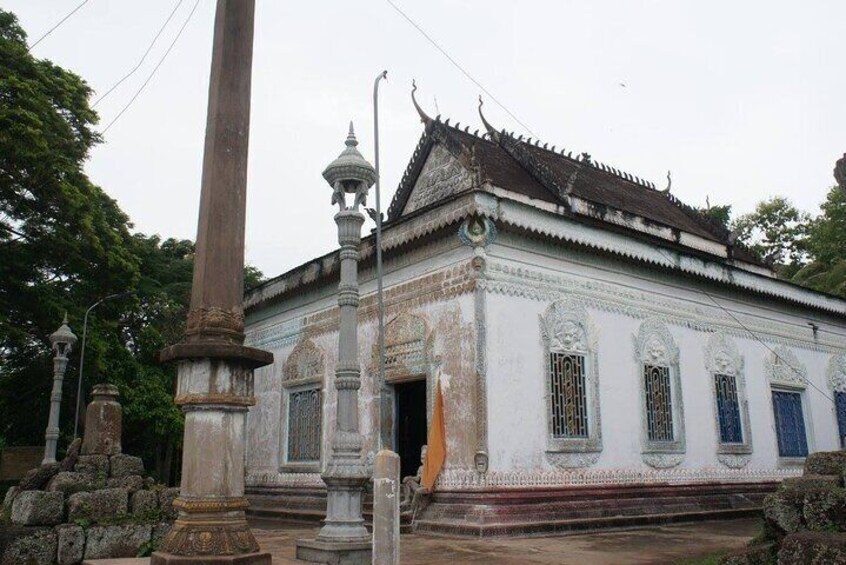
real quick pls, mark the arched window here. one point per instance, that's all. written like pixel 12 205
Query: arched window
pixel 662 422
pixel 302 381
pixel 731 409
pixel 574 436
pixel 837 383
pixel 788 380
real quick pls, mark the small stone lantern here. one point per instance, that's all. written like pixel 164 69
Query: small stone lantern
pixel 62 341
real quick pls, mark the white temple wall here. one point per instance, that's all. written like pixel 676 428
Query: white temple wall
pixel 409 288
pixel 525 278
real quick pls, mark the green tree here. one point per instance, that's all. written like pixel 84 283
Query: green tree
pixel 64 243
pixel 777 231
pixel 721 215
pixel 827 245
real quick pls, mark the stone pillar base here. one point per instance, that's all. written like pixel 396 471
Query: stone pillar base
pixel 159 558
pixel 334 553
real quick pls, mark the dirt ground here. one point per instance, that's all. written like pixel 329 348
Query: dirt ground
pixel 660 544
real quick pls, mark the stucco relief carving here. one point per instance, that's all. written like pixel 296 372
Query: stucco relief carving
pixel 784 368
pixel 407 348
pixel 442 176
pixel 566 327
pixel 305 363
pixel 836 372
pixel 654 345
pixel 723 357
pixel 662 460
pixel 734 461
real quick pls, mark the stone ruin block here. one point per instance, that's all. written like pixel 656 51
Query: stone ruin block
pixel 144 502
pixel 69 483
pixel 130 483
pixel 166 498
pixel 116 541
pixel 8 499
pixel 97 466
pixel 826 463
pixel 38 508
pixel 125 465
pixel 70 544
pixel 27 546
pixel 71 456
pixel 813 547
pixel 98 505
pixel 37 479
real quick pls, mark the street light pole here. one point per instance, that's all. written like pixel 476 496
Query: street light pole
pixel 383 397
pixel 82 354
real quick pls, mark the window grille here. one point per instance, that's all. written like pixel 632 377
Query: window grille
pixel 840 404
pixel 569 399
pixel 790 424
pixel 304 416
pixel 659 403
pixel 728 409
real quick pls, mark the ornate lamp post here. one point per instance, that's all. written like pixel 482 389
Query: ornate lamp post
pixel 63 341
pixel 343 538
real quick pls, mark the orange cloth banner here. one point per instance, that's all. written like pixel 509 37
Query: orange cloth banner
pixel 436 450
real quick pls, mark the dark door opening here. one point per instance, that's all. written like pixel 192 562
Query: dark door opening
pixel 411 424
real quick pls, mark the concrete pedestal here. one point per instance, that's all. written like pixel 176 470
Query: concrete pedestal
pixel 334 553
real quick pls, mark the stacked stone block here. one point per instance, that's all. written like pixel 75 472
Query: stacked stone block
pixel 805 519
pixel 92 505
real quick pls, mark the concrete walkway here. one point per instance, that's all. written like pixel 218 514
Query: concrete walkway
pixel 660 544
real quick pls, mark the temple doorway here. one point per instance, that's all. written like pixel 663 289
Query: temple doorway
pixel 410 424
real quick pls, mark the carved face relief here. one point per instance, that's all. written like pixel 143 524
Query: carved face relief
pixel 565 327
pixel 568 337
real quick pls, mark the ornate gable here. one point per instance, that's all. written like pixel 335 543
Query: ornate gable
pixel 442 176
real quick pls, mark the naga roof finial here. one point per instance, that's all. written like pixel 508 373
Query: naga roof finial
pixel 423 117
pixel 491 130
pixel 669 183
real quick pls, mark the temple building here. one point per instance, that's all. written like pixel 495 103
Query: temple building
pixel 607 355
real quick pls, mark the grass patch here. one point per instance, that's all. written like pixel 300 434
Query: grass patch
pixel 705 560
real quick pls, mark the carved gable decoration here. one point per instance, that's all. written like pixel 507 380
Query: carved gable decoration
pixel 305 363
pixel 566 328
pixel 836 373
pixel 405 347
pixel 442 176
pixel 722 356
pixel 783 367
pixel 654 344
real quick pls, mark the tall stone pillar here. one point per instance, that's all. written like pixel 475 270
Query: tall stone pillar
pixel 215 385
pixel 62 341
pixel 343 538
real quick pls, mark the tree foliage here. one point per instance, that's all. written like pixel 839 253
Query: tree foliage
pixel 777 231
pixel 65 245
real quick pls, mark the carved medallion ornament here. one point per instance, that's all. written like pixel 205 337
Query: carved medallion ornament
pixel 836 373
pixel 477 231
pixel 783 367
pixel 305 363
pixel 663 460
pixel 734 461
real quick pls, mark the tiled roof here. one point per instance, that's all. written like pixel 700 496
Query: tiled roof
pixel 532 170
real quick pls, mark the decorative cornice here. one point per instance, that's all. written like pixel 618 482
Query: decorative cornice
pixel 534 284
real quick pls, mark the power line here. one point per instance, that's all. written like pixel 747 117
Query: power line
pixel 143 57
pixel 156 68
pixel 755 336
pixel 458 66
pixel 52 29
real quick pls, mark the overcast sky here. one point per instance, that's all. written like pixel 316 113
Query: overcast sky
pixel 741 100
